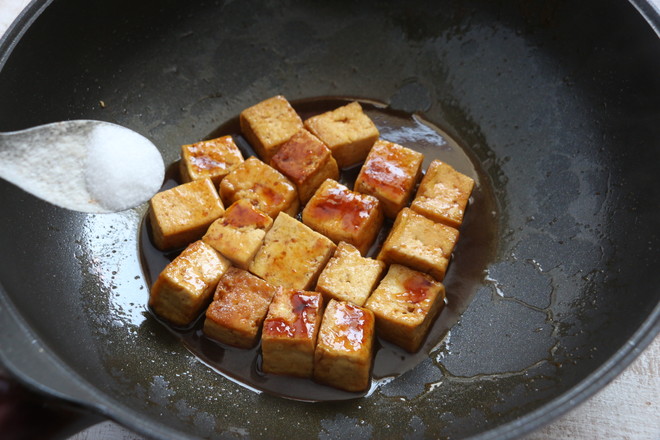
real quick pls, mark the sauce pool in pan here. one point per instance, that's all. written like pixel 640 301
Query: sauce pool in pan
pixel 465 274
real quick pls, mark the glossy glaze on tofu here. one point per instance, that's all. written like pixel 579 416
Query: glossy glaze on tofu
pixel 214 158
pixel 182 214
pixel 274 267
pixel 405 304
pixel 344 215
pixel 289 332
pixel 443 194
pixel 344 352
pixel 239 233
pixel 390 174
pixel 186 286
pixel 239 307
pixel 264 186
pixel 269 124
pixel 307 162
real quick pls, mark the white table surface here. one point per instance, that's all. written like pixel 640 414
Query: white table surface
pixel 627 409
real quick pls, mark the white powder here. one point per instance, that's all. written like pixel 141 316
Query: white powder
pixel 122 168
pixel 85 166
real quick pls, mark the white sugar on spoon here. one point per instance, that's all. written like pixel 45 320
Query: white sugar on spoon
pixel 82 165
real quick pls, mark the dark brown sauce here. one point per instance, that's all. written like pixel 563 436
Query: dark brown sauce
pixel 341 204
pixel 475 249
pixel 304 307
pixel 417 288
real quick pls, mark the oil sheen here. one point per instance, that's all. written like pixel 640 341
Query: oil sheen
pixel 475 249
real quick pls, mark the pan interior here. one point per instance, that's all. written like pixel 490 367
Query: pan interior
pixel 559 113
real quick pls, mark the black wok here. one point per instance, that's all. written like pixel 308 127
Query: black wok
pixel 556 103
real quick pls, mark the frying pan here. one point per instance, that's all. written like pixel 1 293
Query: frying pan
pixel 555 103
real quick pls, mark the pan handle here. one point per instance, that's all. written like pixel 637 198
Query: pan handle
pixel 44 388
pixel 20 407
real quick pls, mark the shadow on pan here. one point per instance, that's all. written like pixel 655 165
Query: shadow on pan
pixel 556 102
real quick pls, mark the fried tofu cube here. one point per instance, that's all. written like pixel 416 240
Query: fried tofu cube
pixel 349 276
pixel 347 131
pixel 390 174
pixel 405 304
pixel 344 350
pixel 419 243
pixel 443 194
pixel 185 287
pixel 239 233
pixel 307 162
pixel 292 255
pixel 182 214
pixel 214 158
pixel 269 124
pixel 289 332
pixel 344 215
pixel 239 307
pixel 261 184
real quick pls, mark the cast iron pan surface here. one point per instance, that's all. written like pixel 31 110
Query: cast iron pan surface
pixel 554 103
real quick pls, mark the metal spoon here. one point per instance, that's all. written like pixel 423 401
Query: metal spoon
pixel 83 165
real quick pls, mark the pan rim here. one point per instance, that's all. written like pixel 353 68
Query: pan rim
pixel 108 407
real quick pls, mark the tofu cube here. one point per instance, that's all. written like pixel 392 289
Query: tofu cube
pixel 419 243
pixel 214 158
pixel 344 215
pixel 292 255
pixel 349 276
pixel 239 307
pixel 185 287
pixel 344 350
pixel 405 304
pixel 443 194
pixel 307 162
pixel 239 233
pixel 289 332
pixel 182 214
pixel 347 131
pixel 269 124
pixel 390 174
pixel 261 184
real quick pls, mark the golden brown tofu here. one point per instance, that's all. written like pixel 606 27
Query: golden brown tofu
pixel 292 255
pixel 390 174
pixel 443 194
pixel 289 332
pixel 405 304
pixel 239 233
pixel 182 214
pixel 185 287
pixel 419 243
pixel 264 186
pixel 307 162
pixel 344 350
pixel 349 276
pixel 347 131
pixel 269 124
pixel 214 158
pixel 344 215
pixel 239 306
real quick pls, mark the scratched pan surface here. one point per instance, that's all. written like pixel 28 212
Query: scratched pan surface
pixel 555 104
